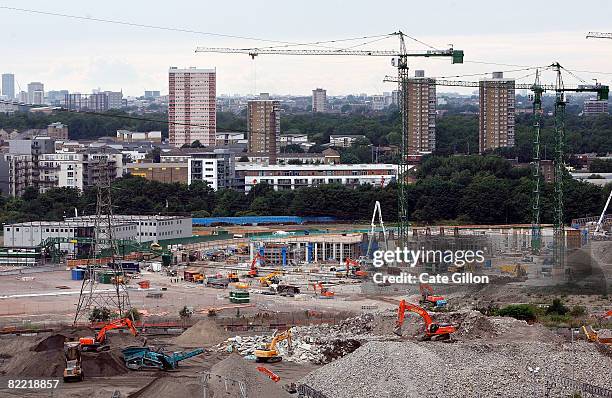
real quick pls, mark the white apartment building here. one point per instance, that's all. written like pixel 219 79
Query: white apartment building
pixel 132 136
pixel 192 106
pixel 216 168
pixel 305 175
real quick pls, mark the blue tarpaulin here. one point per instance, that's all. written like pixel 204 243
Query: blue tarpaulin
pixel 261 220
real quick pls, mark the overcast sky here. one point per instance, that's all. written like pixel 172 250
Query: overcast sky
pixel 81 55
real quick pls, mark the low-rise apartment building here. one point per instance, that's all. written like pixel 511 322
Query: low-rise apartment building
pixel 305 175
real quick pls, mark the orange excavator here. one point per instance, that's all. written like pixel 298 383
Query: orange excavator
pixel 253 271
pixel 324 292
pixel 433 331
pixel 355 267
pixel 428 298
pixel 98 343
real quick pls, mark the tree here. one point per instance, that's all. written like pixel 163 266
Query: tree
pixel 293 148
pixel 557 307
pixel 185 313
pixel 197 144
pixel 294 161
pixel 133 314
pixel 100 314
pixel 601 166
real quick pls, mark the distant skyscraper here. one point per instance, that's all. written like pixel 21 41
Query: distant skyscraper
pixel 595 107
pixel 496 121
pixel 192 106
pixel 151 94
pixel 421 114
pixel 319 100
pixel 115 99
pixel 8 85
pixel 36 93
pixel 23 97
pixel 263 125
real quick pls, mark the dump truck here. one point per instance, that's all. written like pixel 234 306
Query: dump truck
pixel 72 355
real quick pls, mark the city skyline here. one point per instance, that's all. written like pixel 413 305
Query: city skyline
pixel 139 60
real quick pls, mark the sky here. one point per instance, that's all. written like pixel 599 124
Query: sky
pixel 77 55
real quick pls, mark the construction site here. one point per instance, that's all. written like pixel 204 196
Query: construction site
pixel 328 310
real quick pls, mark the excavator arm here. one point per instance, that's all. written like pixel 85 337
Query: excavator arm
pixel 120 323
pixel 431 328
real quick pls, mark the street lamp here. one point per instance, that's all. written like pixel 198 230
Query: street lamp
pixel 534 374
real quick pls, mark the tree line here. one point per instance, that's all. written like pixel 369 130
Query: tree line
pixel 456 189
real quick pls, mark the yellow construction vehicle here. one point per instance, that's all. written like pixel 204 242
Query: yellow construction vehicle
pixel 72 355
pixel 269 353
pixel 597 337
pixel 516 270
pixel 272 277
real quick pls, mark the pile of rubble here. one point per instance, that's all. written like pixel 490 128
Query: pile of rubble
pixel 462 369
pixel 317 344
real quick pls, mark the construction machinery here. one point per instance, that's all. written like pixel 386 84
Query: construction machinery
pixel 72 355
pixel 324 291
pixel 399 59
pixel 377 211
pixel 214 311
pixel 353 269
pixel 273 376
pixel 599 232
pixel 433 331
pixel 602 336
pixel 233 277
pixel 271 278
pixel 139 358
pixel 428 298
pixel 98 343
pixel 599 35
pixel 269 353
pixel 253 270
pixel 517 271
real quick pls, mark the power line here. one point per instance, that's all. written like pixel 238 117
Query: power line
pixel 139 25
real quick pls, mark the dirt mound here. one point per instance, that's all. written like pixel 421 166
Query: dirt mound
pixel 52 342
pixel 171 386
pixel 235 369
pixel 204 333
pixel 109 363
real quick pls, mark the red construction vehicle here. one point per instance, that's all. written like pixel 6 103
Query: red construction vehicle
pixel 98 343
pixel 355 267
pixel 435 331
pixel 428 298
pixel 324 292
pixel 253 271
pixel 273 376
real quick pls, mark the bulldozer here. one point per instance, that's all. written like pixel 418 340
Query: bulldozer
pixel 269 353
pixel 72 355
pixel 433 331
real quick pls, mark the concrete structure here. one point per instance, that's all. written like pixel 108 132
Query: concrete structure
pixel 8 85
pixel 293 250
pixel 151 94
pixel 57 130
pixel 22 160
pixel 192 106
pixel 216 168
pixel 378 103
pixel 91 102
pixel 36 93
pixel 496 120
pixel 114 99
pixel 132 136
pixel 328 156
pixel 595 107
pixel 263 125
pixel 421 114
pixel 150 228
pixel 125 227
pixel 162 172
pixel 284 177
pixel 319 100
pixel 344 140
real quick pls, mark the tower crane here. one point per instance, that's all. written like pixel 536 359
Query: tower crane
pixel 399 60
pixel 538 89
pixel 599 35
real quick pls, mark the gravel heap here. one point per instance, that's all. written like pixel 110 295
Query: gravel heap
pixel 318 344
pixel 462 369
pixel 204 333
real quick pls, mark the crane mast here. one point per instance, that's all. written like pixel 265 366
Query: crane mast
pixel 401 62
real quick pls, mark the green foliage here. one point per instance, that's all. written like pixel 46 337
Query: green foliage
pixel 133 314
pixel 525 312
pixel 601 166
pixel 293 148
pixel 578 311
pixel 100 314
pixel 557 307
